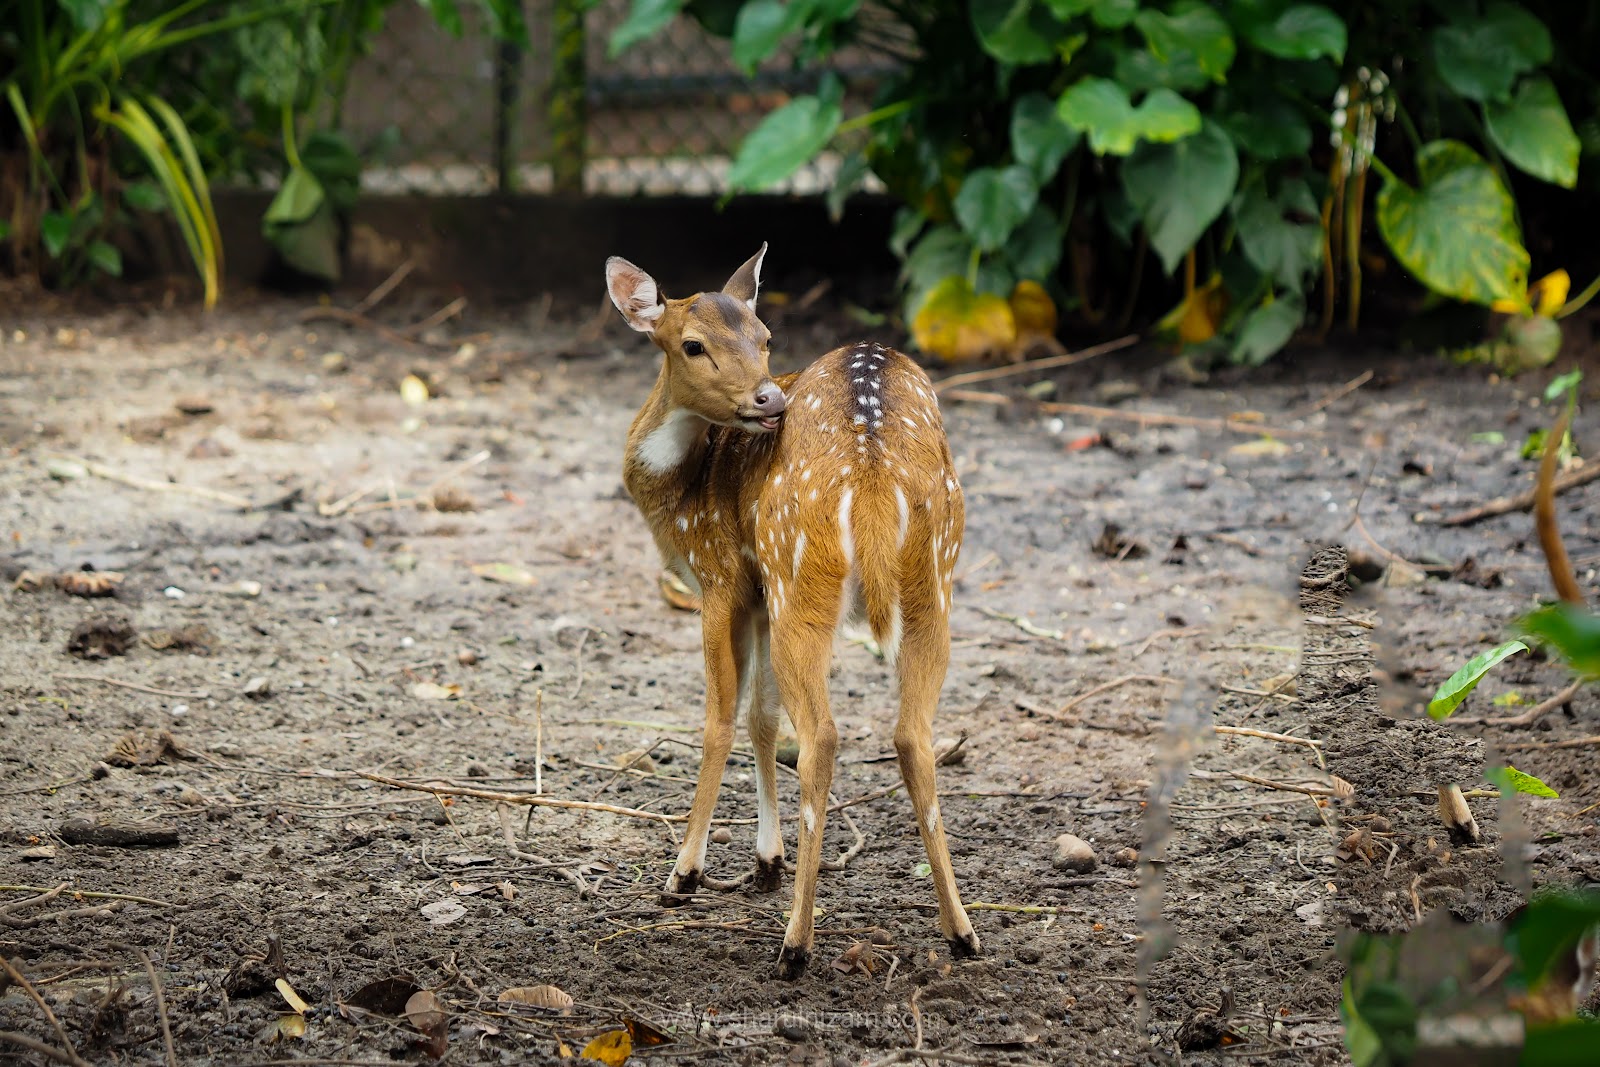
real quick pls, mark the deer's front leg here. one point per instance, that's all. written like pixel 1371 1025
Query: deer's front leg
pixel 722 638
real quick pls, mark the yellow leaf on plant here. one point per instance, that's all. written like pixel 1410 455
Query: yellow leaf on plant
pixel 959 324
pixel 1033 310
pixel 611 1048
pixel 1545 296
pixel 1198 315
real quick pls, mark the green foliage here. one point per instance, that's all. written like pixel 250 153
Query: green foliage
pixel 1122 117
pixel 1510 780
pixel 1459 685
pixel 1572 632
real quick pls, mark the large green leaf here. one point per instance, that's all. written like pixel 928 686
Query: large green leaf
pixel 1039 139
pixel 1267 328
pixel 106 257
pixel 1139 69
pixel 1566 1043
pixel 1481 58
pixel 1269 128
pixel 1457 232
pixel 1179 189
pixel 1547 930
pixel 787 139
pixel 1572 631
pixel 1034 249
pixel 1305 31
pixel 1455 689
pixel 1014 31
pixel 1508 779
pixel 302 225
pixel 939 253
pixel 1101 108
pixel 761 24
pixel 55 230
pixel 645 19
pixel 1281 236
pixel 1192 28
pixel 993 201
pixel 1534 133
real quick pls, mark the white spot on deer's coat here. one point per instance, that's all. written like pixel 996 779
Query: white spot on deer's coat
pixel 799 551
pixel 683 523
pixel 905 516
pixel 846 538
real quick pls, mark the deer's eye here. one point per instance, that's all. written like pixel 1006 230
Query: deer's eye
pixel 693 348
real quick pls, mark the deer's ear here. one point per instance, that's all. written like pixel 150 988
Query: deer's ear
pixel 746 281
pixel 635 294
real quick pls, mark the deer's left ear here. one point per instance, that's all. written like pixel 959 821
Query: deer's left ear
pixel 746 281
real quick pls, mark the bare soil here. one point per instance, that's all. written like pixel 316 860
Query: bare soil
pixel 250 662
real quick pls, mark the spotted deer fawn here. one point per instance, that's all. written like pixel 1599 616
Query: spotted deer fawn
pixel 795 504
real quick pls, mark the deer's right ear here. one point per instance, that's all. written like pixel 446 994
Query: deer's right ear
pixel 635 294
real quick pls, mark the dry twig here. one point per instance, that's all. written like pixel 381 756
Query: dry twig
pixel 1335 395
pixel 990 374
pixel 1522 501
pixel 100 470
pixel 68 1054
pixel 161 1007
pixel 135 686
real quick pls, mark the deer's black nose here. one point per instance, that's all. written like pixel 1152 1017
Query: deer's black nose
pixel 769 399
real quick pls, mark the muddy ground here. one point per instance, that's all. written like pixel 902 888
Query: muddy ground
pixel 286 648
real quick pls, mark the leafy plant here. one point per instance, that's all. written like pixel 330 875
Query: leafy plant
pixel 1061 141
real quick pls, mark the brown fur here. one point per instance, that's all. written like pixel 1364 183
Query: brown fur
pixel 852 509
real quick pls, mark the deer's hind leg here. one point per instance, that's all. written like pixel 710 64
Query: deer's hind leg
pixel 924 657
pixel 764 717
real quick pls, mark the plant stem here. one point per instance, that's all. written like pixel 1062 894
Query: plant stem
pixel 888 111
pixel 1576 303
pixel 291 149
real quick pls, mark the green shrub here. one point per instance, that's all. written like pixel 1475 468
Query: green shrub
pixel 1061 141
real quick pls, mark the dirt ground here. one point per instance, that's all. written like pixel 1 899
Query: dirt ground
pixel 416 581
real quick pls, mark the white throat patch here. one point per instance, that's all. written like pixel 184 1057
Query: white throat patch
pixel 664 448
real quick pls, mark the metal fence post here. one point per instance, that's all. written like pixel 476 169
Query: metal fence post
pixel 568 89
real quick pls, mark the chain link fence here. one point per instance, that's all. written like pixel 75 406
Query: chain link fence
pixel 438 115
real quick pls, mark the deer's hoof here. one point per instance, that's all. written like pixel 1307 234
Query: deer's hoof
pixel 680 887
pixel 769 875
pixel 965 946
pixel 792 962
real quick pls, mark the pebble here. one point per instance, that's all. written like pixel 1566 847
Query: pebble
pixel 1125 857
pixel 1074 854
pixel 721 835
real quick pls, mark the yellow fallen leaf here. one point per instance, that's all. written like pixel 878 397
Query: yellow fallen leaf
pixel 611 1048
pixel 288 993
pixel 414 391
pixel 959 324
pixel 435 691
pixel 504 573
pixel 563 1049
pixel 676 593
pixel 1261 446
pixel 291 1026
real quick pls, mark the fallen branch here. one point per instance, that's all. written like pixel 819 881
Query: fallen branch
pixel 1267 735
pixel 1522 501
pixel 1576 742
pixel 532 799
pixel 67 1053
pixel 1338 394
pixel 1144 418
pixel 1529 717
pixel 1023 624
pixel 385 287
pixel 100 470
pixel 91 895
pixel 1050 363
pixel 161 1007
pixel 1126 679
pixel 135 686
